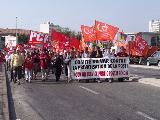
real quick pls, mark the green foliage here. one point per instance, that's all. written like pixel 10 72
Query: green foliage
pixel 22 39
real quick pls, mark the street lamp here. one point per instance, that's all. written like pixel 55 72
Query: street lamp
pixel 16 31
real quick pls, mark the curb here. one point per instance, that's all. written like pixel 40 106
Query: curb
pixel 5 107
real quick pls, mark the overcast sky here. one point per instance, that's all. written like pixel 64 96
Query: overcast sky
pixel 128 15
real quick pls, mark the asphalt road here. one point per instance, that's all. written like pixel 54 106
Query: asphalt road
pixel 86 101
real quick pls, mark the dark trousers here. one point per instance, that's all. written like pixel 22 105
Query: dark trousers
pixel 17 71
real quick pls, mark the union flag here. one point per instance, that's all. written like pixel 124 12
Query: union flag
pixel 88 33
pixel 105 31
pixel 141 46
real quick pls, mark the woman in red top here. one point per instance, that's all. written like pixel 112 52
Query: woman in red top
pixel 28 67
pixel 44 64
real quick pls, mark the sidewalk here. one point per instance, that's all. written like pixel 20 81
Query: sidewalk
pixel 141 79
pixel 4 110
pixel 145 67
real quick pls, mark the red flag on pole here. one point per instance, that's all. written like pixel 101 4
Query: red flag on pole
pixel 88 33
pixel 75 42
pixel 105 31
pixel 141 46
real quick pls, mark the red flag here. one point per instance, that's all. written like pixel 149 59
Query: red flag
pixel 141 46
pixel 105 31
pixel 75 43
pixel 60 39
pixel 88 33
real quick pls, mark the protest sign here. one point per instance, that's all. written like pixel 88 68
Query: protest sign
pixel 89 68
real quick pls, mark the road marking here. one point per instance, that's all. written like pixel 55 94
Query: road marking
pixel 145 115
pixel 89 90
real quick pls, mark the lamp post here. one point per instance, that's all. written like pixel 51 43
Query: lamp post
pixel 16 31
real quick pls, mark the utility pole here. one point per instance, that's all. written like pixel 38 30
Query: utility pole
pixel 16 31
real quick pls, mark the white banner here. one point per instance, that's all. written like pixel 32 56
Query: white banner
pixel 38 38
pixel 89 68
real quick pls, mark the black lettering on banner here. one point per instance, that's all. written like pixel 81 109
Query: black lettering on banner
pixel 101 66
pixel 105 66
pixel 104 60
pixel 124 60
pixel 109 65
pixel 93 66
pixel 114 65
pixel 112 60
pixel 117 60
pixel 73 68
pixel 88 67
pixel 94 61
pixel 79 67
pixel 97 61
pixel 75 62
pixel 119 65
pixel 87 61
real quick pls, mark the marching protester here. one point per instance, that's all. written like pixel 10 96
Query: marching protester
pixel 98 55
pixel 17 63
pixel 28 67
pixel 67 59
pixel 36 63
pixel 8 60
pixel 93 52
pixel 122 53
pixel 85 54
pixel 113 53
pixel 58 66
pixel 44 64
pixel 107 52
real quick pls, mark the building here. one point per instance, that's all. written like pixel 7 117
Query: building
pixel 46 27
pixel 8 36
pixel 10 41
pixel 154 26
pixel 5 32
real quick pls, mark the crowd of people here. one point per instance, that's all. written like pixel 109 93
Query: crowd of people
pixel 25 64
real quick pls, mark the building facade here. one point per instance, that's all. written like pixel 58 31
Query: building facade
pixel 154 26
pixel 46 27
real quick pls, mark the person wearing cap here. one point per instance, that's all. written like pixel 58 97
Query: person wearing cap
pixel 17 62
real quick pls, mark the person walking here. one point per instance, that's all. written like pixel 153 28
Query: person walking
pixel 28 67
pixel 122 53
pixel 16 63
pixel 58 66
pixel 44 64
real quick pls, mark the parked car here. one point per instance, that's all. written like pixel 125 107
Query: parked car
pixel 154 59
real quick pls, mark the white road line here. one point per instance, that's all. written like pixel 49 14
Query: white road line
pixel 145 115
pixel 89 90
